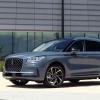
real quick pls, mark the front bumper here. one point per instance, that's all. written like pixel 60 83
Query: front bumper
pixel 28 72
pixel 22 76
pixel 31 72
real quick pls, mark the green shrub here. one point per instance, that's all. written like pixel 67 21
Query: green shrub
pixel 1 65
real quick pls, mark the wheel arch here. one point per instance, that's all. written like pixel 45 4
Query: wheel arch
pixel 58 62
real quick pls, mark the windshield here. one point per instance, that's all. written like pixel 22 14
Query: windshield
pixel 56 46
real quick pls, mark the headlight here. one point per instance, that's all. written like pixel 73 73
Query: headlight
pixel 35 59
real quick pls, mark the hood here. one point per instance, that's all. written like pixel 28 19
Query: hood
pixel 31 54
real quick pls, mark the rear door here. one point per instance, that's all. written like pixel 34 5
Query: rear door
pixel 92 54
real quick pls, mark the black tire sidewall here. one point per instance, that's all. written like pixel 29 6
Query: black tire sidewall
pixel 15 82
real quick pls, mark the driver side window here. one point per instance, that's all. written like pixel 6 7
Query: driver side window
pixel 77 46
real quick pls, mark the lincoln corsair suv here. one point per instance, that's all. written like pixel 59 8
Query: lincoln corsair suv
pixel 53 62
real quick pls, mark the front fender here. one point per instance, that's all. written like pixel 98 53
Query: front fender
pixel 61 61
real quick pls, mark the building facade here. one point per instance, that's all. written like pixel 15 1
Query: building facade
pixel 24 24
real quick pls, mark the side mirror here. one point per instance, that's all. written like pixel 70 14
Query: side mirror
pixel 73 52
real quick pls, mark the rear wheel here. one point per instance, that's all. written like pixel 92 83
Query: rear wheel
pixel 54 76
pixel 19 82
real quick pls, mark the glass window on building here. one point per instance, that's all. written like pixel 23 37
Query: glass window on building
pixel 92 35
pixel 47 36
pixel 67 34
pixel 20 42
pixel 77 34
pixel 5 43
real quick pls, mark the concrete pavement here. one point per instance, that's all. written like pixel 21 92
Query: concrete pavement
pixel 8 91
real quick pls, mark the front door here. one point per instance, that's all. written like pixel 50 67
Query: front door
pixel 82 63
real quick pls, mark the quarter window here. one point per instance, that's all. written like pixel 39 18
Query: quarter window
pixel 92 46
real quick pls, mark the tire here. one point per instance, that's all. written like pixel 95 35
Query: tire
pixel 74 81
pixel 19 82
pixel 39 81
pixel 54 76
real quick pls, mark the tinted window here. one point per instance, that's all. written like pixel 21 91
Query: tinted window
pixel 57 46
pixel 77 46
pixel 92 46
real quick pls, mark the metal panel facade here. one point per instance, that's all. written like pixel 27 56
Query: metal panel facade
pixel 45 15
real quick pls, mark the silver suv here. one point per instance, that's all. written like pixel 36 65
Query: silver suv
pixel 55 61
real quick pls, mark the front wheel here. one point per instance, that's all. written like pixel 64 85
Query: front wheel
pixel 54 76
pixel 74 81
pixel 19 82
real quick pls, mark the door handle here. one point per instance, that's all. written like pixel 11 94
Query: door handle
pixel 73 53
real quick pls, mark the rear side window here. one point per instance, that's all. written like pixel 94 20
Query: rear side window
pixel 92 46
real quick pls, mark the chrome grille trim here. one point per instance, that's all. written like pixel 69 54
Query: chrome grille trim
pixel 13 64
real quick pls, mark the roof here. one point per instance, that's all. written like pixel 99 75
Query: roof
pixel 75 38
pixel 86 38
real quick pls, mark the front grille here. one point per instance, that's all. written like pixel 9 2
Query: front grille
pixel 13 64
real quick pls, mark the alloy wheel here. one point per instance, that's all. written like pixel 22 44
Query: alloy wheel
pixel 54 76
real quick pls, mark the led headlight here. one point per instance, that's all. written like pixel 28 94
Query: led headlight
pixel 35 59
